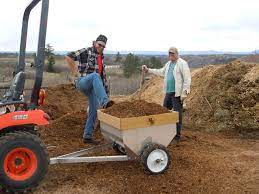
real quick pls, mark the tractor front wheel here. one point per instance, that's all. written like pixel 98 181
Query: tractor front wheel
pixel 23 161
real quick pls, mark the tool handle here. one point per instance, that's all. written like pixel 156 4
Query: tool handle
pixel 142 77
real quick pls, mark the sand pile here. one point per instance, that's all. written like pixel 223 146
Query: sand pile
pixel 151 91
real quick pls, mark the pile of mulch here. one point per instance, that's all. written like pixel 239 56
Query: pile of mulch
pixel 135 108
pixel 65 134
pixel 225 97
pixel 63 99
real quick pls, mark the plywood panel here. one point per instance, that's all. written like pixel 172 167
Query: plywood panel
pixel 147 121
pixel 108 119
pixel 138 122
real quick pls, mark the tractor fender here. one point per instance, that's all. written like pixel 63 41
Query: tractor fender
pixel 19 118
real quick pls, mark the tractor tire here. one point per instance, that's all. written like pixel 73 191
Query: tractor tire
pixel 23 161
pixel 21 129
pixel 155 159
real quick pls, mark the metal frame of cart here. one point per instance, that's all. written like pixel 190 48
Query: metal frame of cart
pixel 144 137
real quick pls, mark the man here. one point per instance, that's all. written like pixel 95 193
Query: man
pixel 91 80
pixel 177 81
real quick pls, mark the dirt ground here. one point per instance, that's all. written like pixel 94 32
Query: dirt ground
pixel 203 163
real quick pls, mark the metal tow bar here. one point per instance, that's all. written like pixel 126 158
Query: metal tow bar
pixel 76 157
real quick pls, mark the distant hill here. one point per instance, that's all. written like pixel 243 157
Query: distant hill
pixel 203 60
pixel 251 58
pixel 194 60
pixel 154 53
pixel 159 53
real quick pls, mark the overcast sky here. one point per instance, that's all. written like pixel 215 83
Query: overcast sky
pixel 137 25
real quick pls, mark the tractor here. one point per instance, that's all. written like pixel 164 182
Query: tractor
pixel 23 156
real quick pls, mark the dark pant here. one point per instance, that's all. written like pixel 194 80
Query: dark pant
pixel 170 102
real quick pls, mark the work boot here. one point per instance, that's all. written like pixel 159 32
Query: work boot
pixel 91 141
pixel 176 139
pixel 108 104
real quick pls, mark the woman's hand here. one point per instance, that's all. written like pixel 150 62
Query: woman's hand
pixel 144 68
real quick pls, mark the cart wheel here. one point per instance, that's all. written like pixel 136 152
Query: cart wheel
pixel 23 161
pixel 155 158
pixel 119 149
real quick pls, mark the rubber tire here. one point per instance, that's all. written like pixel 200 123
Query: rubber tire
pixel 25 139
pixel 117 148
pixel 145 153
pixel 25 129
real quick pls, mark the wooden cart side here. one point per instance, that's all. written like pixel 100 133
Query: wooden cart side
pixel 109 119
pixel 147 121
pixel 138 122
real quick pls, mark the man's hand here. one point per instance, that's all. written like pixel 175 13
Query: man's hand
pixel 144 68
pixel 72 66
pixel 72 79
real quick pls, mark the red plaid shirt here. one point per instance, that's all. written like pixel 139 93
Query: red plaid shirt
pixel 88 63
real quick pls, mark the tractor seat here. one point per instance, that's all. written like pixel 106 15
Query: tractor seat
pixel 16 89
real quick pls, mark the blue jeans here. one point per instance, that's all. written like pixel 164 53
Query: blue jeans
pixel 170 102
pixel 91 85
